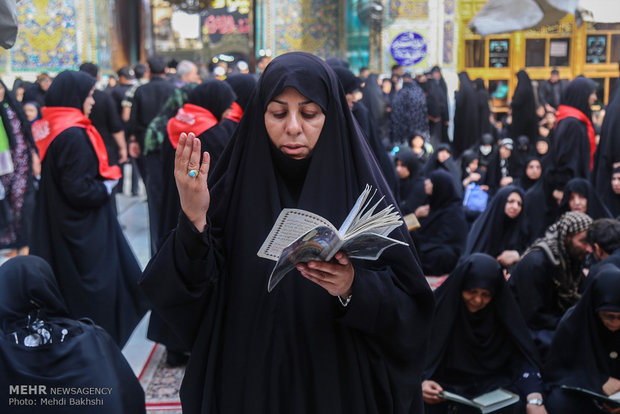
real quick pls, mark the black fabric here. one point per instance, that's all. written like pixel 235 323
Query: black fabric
pixel 106 119
pixel 499 168
pixel 494 232
pixel 409 113
pixel 551 92
pixel 34 93
pixel 294 349
pixel 369 129
pixel 147 102
pixel 466 116
pixel 372 98
pixel 70 90
pixel 524 181
pixel 449 165
pixel 471 353
pixel 214 96
pixel 83 356
pixel 595 207
pixel 76 230
pixel 411 189
pixel 577 94
pixel 484 112
pixel 442 99
pixel 523 104
pixel 442 234
pixel 607 154
pixel 243 85
pixel 581 350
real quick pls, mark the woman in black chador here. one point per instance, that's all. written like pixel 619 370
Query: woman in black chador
pixel 337 337
pixel 203 114
pixel 466 116
pixel 479 341
pixel 443 231
pixel 411 181
pixel 41 345
pixel 501 230
pixel 523 104
pixel 579 195
pixel 75 227
pixel 584 351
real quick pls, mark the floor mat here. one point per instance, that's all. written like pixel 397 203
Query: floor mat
pixel 161 383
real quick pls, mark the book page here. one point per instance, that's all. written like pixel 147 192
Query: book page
pixel 492 397
pixel 615 396
pixel 455 397
pixel 368 246
pixel 290 225
pixel 314 245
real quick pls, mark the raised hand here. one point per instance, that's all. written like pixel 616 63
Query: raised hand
pixel 191 178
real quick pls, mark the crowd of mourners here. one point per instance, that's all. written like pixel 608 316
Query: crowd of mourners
pixel 516 212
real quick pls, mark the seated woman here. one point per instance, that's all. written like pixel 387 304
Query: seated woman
pixel 41 346
pixel 420 148
pixel 580 196
pixel 532 171
pixel 501 229
pixel 479 342
pixel 443 227
pixel 442 159
pixel 411 181
pixel 584 351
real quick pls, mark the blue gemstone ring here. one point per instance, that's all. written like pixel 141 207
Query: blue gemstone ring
pixel 193 173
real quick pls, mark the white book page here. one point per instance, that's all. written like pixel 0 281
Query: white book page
pixel 615 396
pixel 492 397
pixel 290 225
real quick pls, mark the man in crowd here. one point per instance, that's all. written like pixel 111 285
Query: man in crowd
pixel 550 92
pixel 604 236
pixel 547 279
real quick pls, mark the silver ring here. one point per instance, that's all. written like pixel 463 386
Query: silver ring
pixel 193 173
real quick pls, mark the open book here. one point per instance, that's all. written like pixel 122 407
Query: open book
pixel 611 400
pixel 301 236
pixel 486 403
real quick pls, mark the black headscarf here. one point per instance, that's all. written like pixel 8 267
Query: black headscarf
pixel 411 189
pixel 466 116
pixel 213 95
pixel 70 89
pixel 234 328
pixel 596 209
pixel 243 85
pixel 79 353
pixel 493 231
pixel 448 165
pixel 11 101
pixel 524 118
pixel 443 191
pixel 483 342
pixel 608 153
pixel 526 182
pixel 373 98
pixel 484 112
pixel 577 93
pixel 582 348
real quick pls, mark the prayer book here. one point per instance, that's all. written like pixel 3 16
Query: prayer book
pixel 611 400
pixel 301 236
pixel 485 403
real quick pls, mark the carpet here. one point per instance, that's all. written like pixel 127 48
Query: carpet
pixel 161 383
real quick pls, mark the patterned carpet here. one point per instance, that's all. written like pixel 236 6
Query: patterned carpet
pixel 161 384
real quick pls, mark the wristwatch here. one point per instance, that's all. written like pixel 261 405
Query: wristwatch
pixel 535 401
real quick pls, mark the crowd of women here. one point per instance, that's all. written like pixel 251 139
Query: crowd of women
pixel 344 336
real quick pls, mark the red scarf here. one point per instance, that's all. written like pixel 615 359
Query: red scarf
pixel 190 118
pixel 235 112
pixel 56 120
pixel 565 111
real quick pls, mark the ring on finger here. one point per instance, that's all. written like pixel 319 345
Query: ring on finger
pixel 193 173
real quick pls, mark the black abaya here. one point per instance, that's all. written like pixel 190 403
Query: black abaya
pixel 295 349
pixel 524 119
pixel 466 116
pixel 80 355
pixel 76 230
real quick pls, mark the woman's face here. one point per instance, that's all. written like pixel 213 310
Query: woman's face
pixel 417 142
pixel 31 112
pixel 473 165
pixel 19 94
pixel 542 147
pixel 294 123
pixel 578 203
pixel 428 186
pixel 1 93
pixel 592 98
pixel 443 155
pixel 476 299
pixel 533 170
pixel 402 170
pixel 88 102
pixel 611 320
pixel 513 205
pixel 615 182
